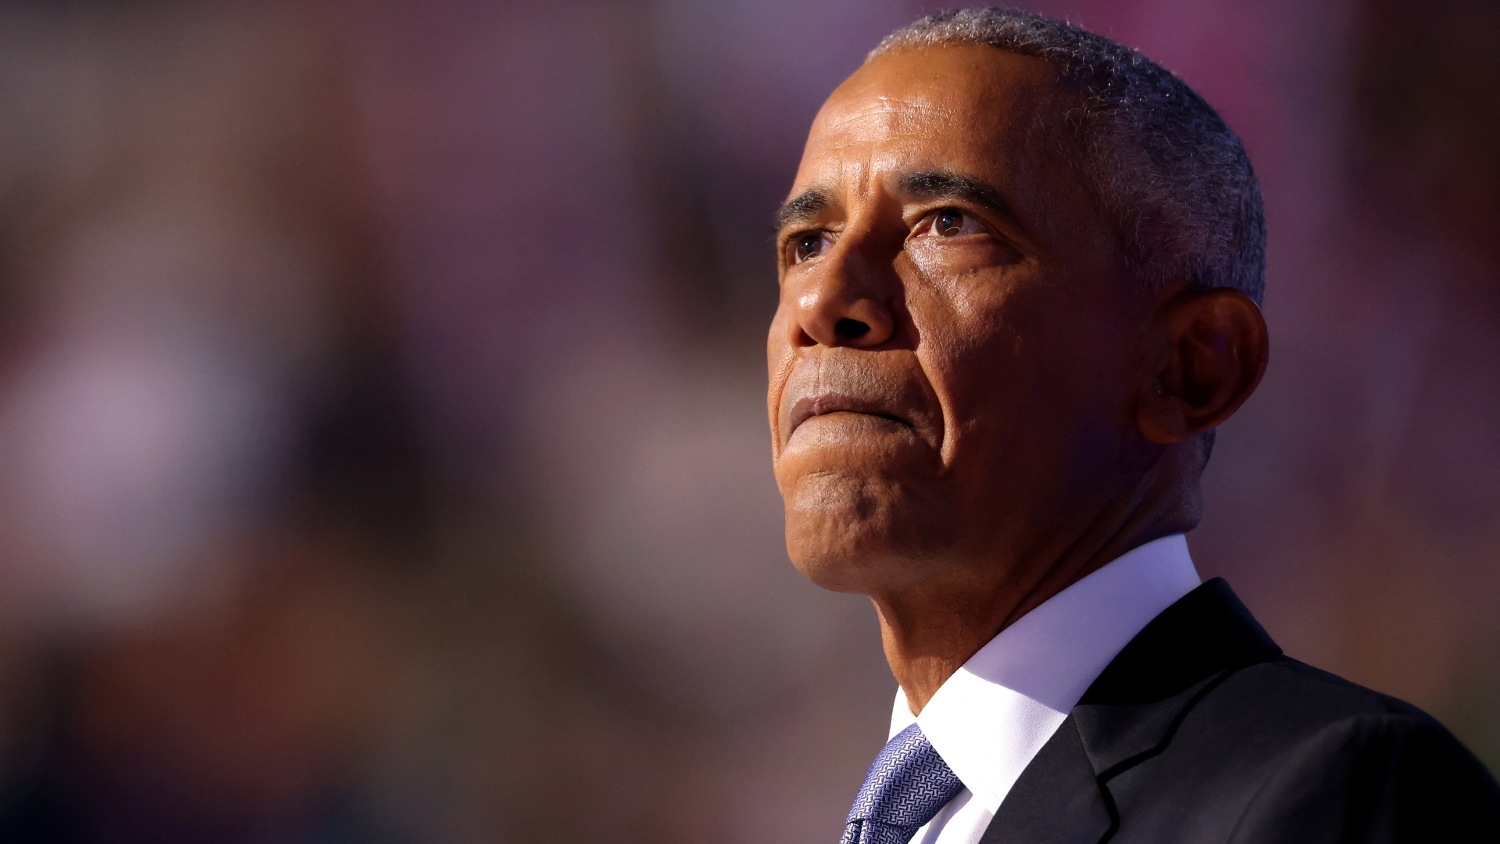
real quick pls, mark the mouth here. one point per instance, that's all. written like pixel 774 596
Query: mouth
pixel 811 406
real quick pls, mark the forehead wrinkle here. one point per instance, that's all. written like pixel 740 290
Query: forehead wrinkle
pixel 850 149
pixel 881 117
pixel 868 135
pixel 838 179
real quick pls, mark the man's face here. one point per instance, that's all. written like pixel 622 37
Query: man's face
pixel 953 360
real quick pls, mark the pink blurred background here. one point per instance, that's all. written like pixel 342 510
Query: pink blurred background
pixel 381 410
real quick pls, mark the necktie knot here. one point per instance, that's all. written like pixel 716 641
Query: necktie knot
pixel 908 784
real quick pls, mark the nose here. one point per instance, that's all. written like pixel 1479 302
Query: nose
pixel 844 301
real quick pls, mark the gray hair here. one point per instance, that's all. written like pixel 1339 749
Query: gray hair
pixel 1157 157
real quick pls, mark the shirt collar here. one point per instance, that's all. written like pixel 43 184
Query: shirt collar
pixel 994 714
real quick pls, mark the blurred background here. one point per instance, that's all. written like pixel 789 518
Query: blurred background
pixel 382 450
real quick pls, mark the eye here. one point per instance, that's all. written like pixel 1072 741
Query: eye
pixel 808 245
pixel 949 222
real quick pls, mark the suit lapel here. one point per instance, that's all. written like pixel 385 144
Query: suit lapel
pixel 1129 715
pixel 1056 799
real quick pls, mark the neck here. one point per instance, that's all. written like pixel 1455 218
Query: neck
pixel 930 631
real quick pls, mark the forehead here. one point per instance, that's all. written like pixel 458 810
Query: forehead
pixel 968 108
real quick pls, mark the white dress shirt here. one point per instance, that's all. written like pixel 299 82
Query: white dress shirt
pixel 994 714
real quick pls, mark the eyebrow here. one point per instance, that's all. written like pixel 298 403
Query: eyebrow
pixel 928 184
pixel 938 184
pixel 802 208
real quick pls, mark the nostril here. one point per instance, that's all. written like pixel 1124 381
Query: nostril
pixel 850 329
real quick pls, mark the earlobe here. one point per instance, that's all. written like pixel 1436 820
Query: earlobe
pixel 1214 352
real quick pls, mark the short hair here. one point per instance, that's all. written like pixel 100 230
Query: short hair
pixel 1163 166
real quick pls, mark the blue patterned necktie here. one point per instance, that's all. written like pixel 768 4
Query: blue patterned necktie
pixel 905 788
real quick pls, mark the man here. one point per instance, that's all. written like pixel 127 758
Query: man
pixel 1020 269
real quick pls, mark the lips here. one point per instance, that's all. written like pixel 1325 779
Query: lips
pixel 807 407
pixel 840 382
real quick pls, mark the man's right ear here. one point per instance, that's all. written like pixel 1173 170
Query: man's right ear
pixel 1215 354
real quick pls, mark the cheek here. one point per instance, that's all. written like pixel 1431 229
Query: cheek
pixel 969 345
pixel 779 362
pixel 964 309
pixel 1017 378
pixel 965 259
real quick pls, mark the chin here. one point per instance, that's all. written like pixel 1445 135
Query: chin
pixel 834 570
pixel 848 540
pixel 861 531
pixel 878 569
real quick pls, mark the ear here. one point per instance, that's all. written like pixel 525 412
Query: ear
pixel 1214 353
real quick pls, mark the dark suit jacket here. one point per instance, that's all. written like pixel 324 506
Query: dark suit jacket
pixel 1202 731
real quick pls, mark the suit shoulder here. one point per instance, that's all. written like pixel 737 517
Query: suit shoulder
pixel 1280 751
pixel 1287 714
pixel 1309 695
pixel 1267 708
pixel 1349 758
